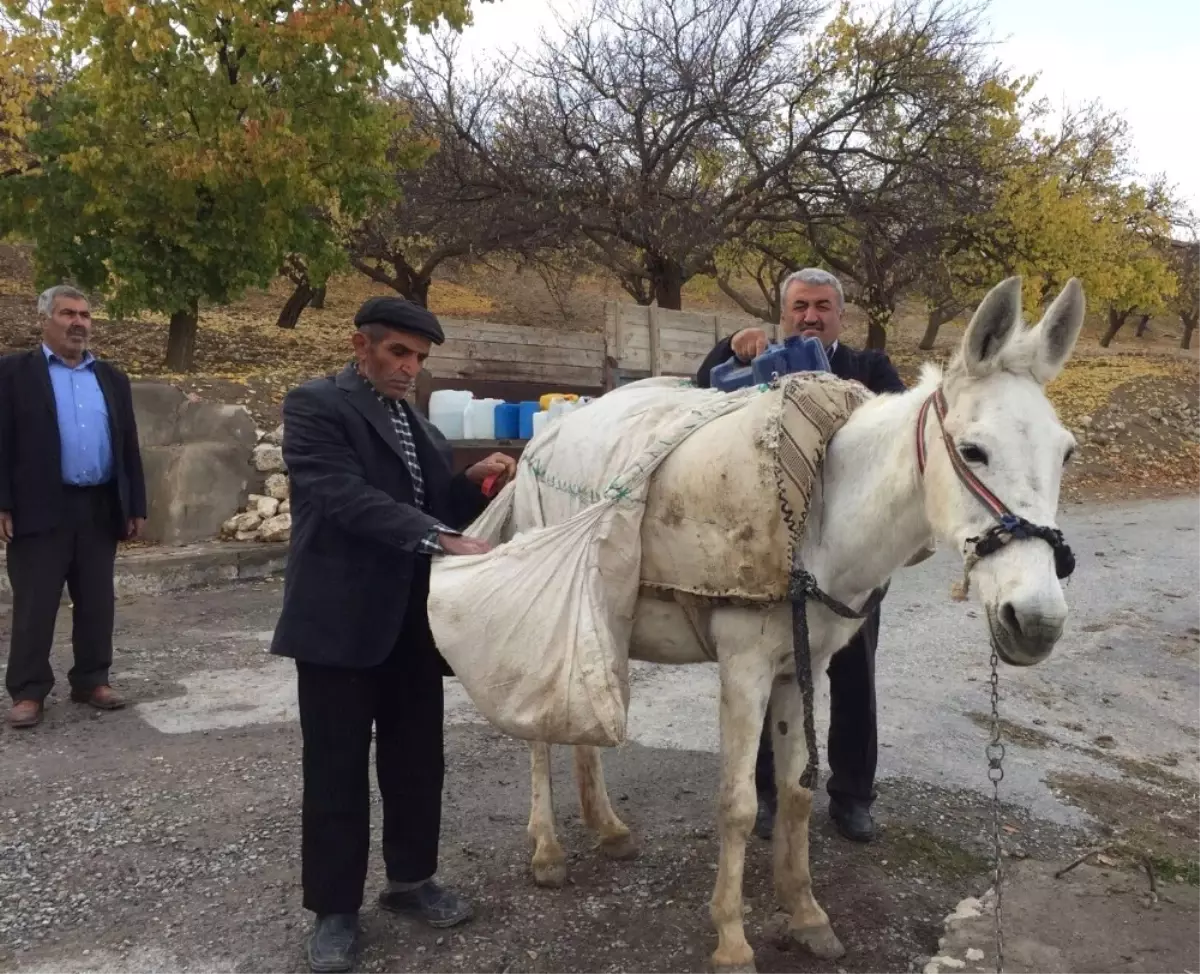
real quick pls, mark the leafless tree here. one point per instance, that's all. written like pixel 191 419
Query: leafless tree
pixel 469 197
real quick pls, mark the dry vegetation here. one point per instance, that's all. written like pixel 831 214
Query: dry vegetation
pixel 1134 406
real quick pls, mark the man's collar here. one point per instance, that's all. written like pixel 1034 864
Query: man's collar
pixel 51 356
pixel 369 386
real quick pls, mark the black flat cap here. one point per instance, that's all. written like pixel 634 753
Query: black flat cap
pixel 401 315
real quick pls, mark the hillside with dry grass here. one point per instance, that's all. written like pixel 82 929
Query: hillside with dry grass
pixel 1134 407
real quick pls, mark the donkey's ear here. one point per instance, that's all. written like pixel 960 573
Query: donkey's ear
pixel 992 325
pixel 1055 335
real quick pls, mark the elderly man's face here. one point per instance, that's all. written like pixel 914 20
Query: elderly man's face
pixel 390 360
pixel 68 329
pixel 812 310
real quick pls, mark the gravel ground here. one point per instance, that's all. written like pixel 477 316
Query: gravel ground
pixel 165 837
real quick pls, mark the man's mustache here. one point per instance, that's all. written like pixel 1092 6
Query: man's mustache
pixel 81 332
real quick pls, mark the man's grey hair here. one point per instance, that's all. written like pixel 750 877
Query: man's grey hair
pixel 47 298
pixel 817 278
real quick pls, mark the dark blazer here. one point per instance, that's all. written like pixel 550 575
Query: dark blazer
pixel 353 564
pixel 31 485
pixel 871 368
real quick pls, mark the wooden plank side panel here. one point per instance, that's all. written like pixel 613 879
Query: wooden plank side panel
pixel 552 375
pixel 505 352
pixel 487 331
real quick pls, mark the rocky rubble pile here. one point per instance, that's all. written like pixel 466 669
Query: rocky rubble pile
pixel 1177 416
pixel 266 516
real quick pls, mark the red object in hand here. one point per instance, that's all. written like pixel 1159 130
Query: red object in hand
pixel 489 484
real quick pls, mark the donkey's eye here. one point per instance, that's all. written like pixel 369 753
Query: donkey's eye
pixel 973 454
pixel 1068 456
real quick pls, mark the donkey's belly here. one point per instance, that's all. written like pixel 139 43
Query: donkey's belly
pixel 663 633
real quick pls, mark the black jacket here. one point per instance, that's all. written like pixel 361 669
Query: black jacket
pixel 31 486
pixel 871 368
pixel 353 565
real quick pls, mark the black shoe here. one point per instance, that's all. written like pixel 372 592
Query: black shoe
pixel 333 943
pixel 853 819
pixel 764 821
pixel 429 902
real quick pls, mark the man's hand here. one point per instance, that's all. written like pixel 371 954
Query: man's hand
pixel 749 343
pixel 456 544
pixel 133 528
pixel 498 465
pixel 6 529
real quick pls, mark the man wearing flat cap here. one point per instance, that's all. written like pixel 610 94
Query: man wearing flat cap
pixel 373 498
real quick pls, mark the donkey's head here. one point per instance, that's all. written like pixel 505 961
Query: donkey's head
pixel 995 454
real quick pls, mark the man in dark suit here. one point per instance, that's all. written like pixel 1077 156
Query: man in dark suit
pixel 373 497
pixel 71 486
pixel 812 303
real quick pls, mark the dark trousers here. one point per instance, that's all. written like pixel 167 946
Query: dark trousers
pixel 80 552
pixel 853 730
pixel 402 699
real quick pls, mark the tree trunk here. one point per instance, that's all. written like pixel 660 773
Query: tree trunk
pixel 934 322
pixel 1189 326
pixel 878 317
pixel 318 299
pixel 1115 320
pixel 418 290
pixel 1143 326
pixel 290 314
pixel 668 284
pixel 181 340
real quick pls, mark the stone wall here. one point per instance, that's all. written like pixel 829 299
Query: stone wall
pixel 266 516
pixel 198 459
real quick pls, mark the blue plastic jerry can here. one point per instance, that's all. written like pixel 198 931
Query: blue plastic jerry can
pixel 797 353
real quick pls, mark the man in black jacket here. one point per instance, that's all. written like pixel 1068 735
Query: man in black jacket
pixel 71 486
pixel 373 498
pixel 812 303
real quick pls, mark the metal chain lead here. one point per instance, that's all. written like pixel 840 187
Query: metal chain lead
pixel 995 759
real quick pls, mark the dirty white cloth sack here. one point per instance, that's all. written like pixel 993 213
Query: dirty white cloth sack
pixel 538 629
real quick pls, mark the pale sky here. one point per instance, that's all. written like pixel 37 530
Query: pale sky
pixel 1142 59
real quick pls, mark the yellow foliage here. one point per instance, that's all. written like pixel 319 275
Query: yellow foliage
pixel 25 75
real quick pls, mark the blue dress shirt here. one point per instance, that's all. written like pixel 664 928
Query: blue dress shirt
pixel 87 458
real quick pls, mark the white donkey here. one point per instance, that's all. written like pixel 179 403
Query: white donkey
pixel 898 476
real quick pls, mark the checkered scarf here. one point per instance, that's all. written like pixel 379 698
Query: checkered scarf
pixel 408 449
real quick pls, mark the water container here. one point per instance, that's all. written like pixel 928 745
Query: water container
pixel 797 353
pixel 538 423
pixel 550 397
pixel 508 421
pixel 731 374
pixel 446 411
pixel 560 407
pixel 528 411
pixel 479 420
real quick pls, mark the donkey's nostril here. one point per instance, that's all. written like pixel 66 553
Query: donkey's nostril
pixel 1008 615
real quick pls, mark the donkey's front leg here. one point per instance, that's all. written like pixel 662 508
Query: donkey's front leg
pixel 549 862
pixel 598 814
pixel 808 924
pixel 746 659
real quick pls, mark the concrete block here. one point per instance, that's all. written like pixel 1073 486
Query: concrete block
pixel 195 488
pixel 156 408
pixel 216 423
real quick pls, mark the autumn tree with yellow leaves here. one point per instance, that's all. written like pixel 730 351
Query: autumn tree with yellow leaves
pixel 203 143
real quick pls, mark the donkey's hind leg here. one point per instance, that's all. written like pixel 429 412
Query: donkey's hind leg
pixel 616 842
pixel 549 862
pixel 808 924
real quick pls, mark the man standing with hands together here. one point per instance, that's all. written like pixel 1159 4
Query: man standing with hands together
pixel 373 498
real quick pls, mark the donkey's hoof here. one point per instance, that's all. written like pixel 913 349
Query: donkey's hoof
pixel 741 967
pixel 551 874
pixel 820 941
pixel 620 847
